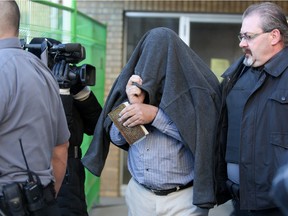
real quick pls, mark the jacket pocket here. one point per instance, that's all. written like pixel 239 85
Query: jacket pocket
pixel 279 143
pixel 279 139
pixel 280 96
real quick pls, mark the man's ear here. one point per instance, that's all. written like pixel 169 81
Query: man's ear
pixel 276 36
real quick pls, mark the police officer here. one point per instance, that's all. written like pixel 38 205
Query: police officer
pixel 33 128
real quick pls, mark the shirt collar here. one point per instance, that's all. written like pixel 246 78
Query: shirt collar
pixel 13 42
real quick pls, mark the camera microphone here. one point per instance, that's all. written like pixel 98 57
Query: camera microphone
pixel 70 52
pixel 33 46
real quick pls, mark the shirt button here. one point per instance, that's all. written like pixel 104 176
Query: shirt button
pixel 147 149
pixel 283 98
pixel 147 170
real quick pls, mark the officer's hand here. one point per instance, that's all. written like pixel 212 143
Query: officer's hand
pixel 61 73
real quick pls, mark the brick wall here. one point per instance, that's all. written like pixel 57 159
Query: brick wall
pixel 110 12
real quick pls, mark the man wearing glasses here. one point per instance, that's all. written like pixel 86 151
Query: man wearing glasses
pixel 253 129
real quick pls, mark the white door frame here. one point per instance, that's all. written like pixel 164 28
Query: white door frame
pixel 185 20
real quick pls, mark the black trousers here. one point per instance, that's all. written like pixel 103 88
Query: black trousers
pixel 51 210
pixel 234 191
pixel 71 197
pixel 265 212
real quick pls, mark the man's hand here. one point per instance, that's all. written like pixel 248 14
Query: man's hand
pixel 134 93
pixel 137 114
pixel 61 73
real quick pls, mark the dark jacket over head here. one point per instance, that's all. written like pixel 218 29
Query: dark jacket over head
pixel 182 85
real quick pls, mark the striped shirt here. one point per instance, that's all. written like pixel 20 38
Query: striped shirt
pixel 160 161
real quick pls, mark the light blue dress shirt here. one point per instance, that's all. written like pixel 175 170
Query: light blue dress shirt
pixel 160 161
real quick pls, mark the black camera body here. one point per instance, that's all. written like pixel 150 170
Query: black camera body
pixel 72 53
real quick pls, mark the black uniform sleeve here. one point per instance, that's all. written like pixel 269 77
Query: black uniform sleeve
pixel 67 101
pixel 89 111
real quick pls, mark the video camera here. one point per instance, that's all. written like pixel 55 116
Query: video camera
pixel 72 53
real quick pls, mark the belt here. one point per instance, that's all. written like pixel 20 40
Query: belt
pixel 48 197
pixel 168 191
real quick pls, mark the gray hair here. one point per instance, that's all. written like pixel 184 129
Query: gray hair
pixel 272 17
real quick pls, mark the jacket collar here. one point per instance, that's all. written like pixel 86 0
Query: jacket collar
pixel 277 64
pixel 229 72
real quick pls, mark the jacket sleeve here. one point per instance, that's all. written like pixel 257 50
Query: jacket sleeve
pixel 67 101
pixel 89 111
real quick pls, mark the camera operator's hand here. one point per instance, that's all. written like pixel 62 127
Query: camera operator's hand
pixel 61 73
pixel 76 88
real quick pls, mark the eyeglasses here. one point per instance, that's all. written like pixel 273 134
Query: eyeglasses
pixel 249 36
